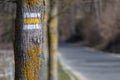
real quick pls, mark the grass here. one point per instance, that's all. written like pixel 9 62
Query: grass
pixel 62 75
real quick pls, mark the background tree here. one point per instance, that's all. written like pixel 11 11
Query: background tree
pixel 66 19
pixel 52 40
pixel 45 41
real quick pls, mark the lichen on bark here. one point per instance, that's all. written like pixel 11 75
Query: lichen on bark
pixel 32 65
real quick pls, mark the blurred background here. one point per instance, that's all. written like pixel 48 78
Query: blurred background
pixel 88 23
pixel 92 23
pixel 7 24
pixel 79 20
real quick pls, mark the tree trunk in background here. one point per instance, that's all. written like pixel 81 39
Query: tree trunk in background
pixel 45 41
pixel 29 58
pixel 45 37
pixel 53 40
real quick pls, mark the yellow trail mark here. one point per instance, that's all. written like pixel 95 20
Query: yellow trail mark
pixel 31 21
pixel 33 2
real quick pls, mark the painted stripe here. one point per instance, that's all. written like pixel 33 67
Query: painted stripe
pixel 31 2
pixel 32 26
pixel 31 21
pixel 31 15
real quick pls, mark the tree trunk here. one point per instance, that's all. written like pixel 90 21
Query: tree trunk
pixel 52 40
pixel 45 46
pixel 29 58
pixel 45 37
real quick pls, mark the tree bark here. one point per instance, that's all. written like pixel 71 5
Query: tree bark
pixel 52 40
pixel 45 46
pixel 29 58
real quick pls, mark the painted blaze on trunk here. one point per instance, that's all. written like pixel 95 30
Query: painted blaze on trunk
pixel 29 59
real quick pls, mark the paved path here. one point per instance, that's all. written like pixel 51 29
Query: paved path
pixel 93 65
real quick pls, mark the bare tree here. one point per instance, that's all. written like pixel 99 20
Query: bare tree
pixel 52 40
